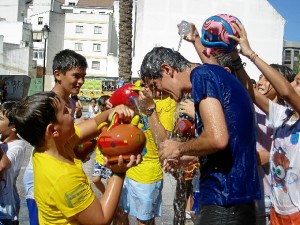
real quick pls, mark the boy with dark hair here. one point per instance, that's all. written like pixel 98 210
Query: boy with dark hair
pixel 62 190
pixel 69 70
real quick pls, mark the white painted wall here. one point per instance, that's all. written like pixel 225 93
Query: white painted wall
pixel 13 10
pixel 157 26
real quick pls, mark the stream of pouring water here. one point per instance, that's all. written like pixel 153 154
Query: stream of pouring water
pixel 179 44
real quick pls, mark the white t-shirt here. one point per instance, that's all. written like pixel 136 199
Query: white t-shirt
pixel 285 160
pixel 9 197
pixel 91 112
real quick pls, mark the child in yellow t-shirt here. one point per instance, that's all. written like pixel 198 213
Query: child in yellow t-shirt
pixel 62 190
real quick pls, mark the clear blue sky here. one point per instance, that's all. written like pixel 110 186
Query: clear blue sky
pixel 290 10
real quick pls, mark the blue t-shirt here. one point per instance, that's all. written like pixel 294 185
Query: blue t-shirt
pixel 229 176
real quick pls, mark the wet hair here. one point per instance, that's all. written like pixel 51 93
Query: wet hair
pixel 224 60
pixel 68 59
pixel 286 72
pixel 7 109
pixel 151 65
pixel 35 112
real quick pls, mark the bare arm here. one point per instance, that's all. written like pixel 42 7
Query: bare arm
pixel 260 100
pixel 90 128
pixel 263 156
pixel 195 39
pixel 214 137
pixel 281 85
pixel 158 131
pixel 102 211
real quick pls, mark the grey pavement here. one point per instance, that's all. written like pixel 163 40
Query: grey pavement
pixel 168 193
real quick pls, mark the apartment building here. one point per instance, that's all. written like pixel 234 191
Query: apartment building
pixel 291 56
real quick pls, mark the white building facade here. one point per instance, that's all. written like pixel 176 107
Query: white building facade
pixel 156 25
pixel 90 27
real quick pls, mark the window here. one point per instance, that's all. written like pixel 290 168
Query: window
pixel 37 36
pixel 97 30
pixel 78 46
pixel 79 29
pixel 97 47
pixel 72 3
pixel 95 65
pixel 38 53
pixel 287 56
pixel 40 21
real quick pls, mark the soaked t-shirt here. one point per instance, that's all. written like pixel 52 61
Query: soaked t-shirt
pixel 228 176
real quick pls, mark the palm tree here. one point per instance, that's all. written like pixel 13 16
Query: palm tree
pixel 125 39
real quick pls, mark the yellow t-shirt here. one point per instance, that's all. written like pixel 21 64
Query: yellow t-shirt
pixel 99 157
pixel 150 170
pixel 61 190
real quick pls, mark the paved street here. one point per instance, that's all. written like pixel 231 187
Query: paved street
pixel 168 192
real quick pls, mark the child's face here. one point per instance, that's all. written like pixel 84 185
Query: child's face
pixel 296 83
pixel 93 102
pixel 5 128
pixel 65 122
pixel 72 80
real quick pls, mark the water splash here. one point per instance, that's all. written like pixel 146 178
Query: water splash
pixel 179 44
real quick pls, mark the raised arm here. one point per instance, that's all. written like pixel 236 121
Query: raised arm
pixel 281 85
pixel 195 39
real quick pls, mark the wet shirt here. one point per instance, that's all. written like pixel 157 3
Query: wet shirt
pixel 228 176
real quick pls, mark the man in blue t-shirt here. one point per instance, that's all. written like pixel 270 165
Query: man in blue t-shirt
pixel 225 127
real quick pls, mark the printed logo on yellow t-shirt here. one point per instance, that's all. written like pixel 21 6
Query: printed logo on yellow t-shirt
pixel 76 196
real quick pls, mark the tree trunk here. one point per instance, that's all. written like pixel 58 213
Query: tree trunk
pixel 125 40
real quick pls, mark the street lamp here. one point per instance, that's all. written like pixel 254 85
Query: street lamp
pixel 45 32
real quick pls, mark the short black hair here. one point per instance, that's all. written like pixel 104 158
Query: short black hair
pixel 7 108
pixel 68 59
pixel 35 112
pixel 286 72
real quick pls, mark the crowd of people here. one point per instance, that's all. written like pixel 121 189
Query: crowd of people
pixel 242 141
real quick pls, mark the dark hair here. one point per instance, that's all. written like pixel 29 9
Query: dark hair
pixel 67 59
pixel 102 100
pixel 33 114
pixel 224 60
pixel 286 72
pixel 75 97
pixel 253 81
pixel 7 108
pixel 151 65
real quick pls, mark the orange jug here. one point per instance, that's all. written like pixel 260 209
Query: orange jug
pixel 121 139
